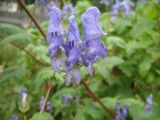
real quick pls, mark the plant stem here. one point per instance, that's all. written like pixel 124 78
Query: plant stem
pixel 46 98
pixel 32 17
pixel 97 99
pixel 25 117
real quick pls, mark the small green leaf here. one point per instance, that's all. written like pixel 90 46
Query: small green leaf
pixel 42 116
pixel 79 116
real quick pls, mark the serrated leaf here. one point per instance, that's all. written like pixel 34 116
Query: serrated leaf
pixel 8 29
pixel 114 60
pixel 43 75
pixel 22 37
pixel 115 41
pixel 79 116
pixel 42 116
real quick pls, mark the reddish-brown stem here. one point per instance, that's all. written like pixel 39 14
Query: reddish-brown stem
pixel 96 98
pixel 46 98
pixel 21 3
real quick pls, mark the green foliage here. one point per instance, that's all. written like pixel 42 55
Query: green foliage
pixel 42 116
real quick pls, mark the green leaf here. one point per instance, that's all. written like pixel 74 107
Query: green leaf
pixel 145 66
pixel 114 61
pixel 79 116
pixel 142 26
pixel 22 37
pixel 43 75
pixel 121 26
pixel 115 41
pixel 8 29
pixel 42 116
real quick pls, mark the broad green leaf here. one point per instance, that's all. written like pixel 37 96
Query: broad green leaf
pixel 8 29
pixel 115 41
pixel 21 37
pixel 114 61
pixel 43 75
pixel 141 27
pixel 42 116
pixel 121 26
pixel 79 116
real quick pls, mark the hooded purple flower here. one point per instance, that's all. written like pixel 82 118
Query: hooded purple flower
pixel 120 6
pixel 41 102
pixel 73 52
pixel 149 103
pixel 121 114
pixel 66 99
pixel 67 8
pixel 48 104
pixel 105 2
pixel 55 38
pixel 94 47
pixel 13 117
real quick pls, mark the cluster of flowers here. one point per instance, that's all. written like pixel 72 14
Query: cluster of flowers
pixel 67 99
pixel 48 107
pixel 123 113
pixel 118 6
pixel 74 53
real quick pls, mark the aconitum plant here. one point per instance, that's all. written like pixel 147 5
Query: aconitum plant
pixel 66 99
pixel 105 2
pixel 121 113
pixel 14 117
pixel 74 53
pixel 149 103
pixel 121 7
pixel 67 8
pixel 48 106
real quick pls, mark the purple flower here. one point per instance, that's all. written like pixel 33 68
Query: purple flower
pixel 66 99
pixel 73 52
pixel 67 8
pixel 55 37
pixel 105 2
pixel 13 117
pixel 48 104
pixel 120 6
pixel 41 102
pixel 90 24
pixel 94 47
pixel 121 113
pixel 149 103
